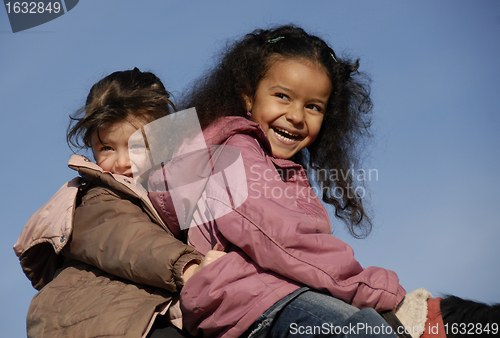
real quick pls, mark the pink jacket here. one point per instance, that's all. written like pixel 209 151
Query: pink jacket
pixel 277 240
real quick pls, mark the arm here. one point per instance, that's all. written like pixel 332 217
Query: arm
pixel 114 234
pixel 290 235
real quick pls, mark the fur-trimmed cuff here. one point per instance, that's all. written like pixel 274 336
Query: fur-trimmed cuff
pixel 412 311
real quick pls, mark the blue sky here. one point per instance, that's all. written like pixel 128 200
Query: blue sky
pixel 435 72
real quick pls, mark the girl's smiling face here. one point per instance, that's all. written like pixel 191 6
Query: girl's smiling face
pixel 289 104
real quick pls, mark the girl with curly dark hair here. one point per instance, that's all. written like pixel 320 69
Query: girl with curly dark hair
pixel 285 101
pixel 346 117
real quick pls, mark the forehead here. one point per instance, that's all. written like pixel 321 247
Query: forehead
pixel 302 74
pixel 118 131
pixel 277 58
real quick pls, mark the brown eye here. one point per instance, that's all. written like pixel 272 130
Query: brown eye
pixel 314 107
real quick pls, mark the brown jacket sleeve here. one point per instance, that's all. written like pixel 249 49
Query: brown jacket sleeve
pixel 112 232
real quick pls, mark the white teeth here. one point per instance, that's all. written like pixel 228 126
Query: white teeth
pixel 284 138
pixel 290 139
pixel 287 132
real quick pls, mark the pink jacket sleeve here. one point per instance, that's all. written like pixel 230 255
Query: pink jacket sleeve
pixel 284 228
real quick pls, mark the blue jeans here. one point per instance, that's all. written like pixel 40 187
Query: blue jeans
pixel 309 313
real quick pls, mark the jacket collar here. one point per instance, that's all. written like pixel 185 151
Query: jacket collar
pixel 225 127
pixel 91 172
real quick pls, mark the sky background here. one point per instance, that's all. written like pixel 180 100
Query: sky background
pixel 436 92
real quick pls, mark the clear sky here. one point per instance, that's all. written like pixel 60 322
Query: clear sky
pixel 434 189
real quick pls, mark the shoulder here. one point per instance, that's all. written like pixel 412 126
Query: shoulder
pixel 223 129
pixel 52 222
pixel 247 142
pixel 46 233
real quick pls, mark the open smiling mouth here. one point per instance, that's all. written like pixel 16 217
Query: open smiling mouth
pixel 285 135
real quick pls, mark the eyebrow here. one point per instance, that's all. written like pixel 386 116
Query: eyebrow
pixel 99 140
pixel 283 89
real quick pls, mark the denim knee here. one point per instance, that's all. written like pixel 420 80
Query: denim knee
pixel 313 314
pixel 369 323
pixel 323 307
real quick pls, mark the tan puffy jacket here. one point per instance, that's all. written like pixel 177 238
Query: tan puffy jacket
pixel 104 261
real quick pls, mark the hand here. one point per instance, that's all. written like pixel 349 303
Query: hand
pixel 210 257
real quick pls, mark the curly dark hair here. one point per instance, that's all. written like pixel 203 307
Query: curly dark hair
pixel 335 152
pixel 117 97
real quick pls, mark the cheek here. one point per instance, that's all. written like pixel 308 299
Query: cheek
pixel 97 157
pixel 103 162
pixel 259 118
pixel 100 162
pixel 139 161
pixel 315 127
pixel 262 110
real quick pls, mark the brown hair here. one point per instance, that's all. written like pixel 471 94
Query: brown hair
pixel 119 96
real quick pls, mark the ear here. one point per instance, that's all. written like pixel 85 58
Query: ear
pixel 248 102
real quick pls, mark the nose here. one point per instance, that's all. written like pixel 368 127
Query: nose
pixel 123 162
pixel 295 115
